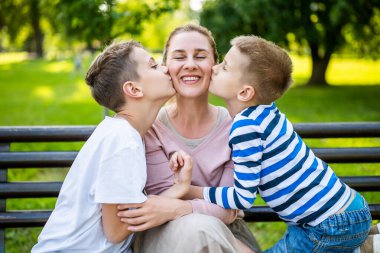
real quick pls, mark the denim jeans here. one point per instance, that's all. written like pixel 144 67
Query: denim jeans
pixel 343 232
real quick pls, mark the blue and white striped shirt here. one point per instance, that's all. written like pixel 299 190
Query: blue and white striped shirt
pixel 272 159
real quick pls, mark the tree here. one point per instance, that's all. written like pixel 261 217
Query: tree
pixel 323 26
pixel 104 20
pixel 23 14
pixel 21 21
pixel 95 22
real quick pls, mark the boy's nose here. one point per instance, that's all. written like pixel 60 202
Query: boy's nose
pixel 215 69
pixel 164 69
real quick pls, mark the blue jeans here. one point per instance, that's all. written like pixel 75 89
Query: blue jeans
pixel 343 232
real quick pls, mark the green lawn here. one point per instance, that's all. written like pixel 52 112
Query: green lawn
pixel 42 92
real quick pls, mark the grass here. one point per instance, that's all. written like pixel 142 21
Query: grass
pixel 42 92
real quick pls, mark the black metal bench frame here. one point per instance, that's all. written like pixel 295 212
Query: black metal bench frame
pixel 46 159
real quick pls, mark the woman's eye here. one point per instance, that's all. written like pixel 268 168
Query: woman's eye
pixel 155 66
pixel 178 57
pixel 200 57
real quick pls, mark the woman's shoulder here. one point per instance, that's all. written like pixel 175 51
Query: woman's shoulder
pixel 224 119
pixel 223 112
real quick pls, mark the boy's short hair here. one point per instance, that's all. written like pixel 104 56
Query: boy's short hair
pixel 191 28
pixel 109 71
pixel 269 68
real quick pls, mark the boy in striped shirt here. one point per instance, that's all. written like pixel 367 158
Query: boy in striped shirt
pixel 322 212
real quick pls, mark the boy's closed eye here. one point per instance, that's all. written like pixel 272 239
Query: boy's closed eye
pixel 152 63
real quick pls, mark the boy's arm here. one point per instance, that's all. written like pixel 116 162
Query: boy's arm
pixel 114 230
pixel 247 158
pixel 195 192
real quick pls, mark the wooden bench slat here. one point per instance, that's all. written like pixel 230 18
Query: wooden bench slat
pixel 348 155
pixel 29 189
pixel 81 133
pixel 51 189
pixel 45 133
pixel 363 183
pixel 14 219
pixel 264 213
pixel 45 159
pixel 338 129
pixel 41 159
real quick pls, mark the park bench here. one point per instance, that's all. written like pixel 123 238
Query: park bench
pixel 63 159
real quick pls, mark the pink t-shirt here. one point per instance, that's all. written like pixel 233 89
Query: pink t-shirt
pixel 212 165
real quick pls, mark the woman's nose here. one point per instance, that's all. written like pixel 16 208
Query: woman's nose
pixel 190 63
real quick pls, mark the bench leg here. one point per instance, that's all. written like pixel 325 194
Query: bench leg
pixel 2 240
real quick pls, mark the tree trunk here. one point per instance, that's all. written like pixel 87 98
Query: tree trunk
pixel 319 67
pixel 37 33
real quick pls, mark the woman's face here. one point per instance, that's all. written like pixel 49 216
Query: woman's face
pixel 190 61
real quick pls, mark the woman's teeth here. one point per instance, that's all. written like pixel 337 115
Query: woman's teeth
pixel 190 78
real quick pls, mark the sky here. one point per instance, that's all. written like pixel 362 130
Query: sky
pixel 196 5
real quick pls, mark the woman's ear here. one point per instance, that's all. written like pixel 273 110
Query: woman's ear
pixel 246 94
pixel 131 89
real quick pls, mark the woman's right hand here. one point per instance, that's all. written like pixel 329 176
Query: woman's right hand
pixel 155 211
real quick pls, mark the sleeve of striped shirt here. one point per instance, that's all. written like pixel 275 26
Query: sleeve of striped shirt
pixel 246 140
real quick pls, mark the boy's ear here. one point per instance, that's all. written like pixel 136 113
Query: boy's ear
pixel 246 93
pixel 131 89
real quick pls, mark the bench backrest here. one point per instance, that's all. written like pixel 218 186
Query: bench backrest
pixel 63 159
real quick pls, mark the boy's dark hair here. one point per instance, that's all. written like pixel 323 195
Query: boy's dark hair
pixel 191 28
pixel 109 71
pixel 269 68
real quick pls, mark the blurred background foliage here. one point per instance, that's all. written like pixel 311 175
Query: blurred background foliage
pixel 315 28
pixel 53 41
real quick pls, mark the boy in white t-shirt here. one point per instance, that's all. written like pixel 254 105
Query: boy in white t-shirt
pixel 110 169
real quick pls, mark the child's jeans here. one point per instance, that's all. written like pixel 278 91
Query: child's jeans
pixel 343 232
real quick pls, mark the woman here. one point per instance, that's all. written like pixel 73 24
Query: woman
pixel 201 130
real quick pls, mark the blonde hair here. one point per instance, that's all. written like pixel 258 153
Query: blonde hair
pixel 110 69
pixel 191 28
pixel 269 68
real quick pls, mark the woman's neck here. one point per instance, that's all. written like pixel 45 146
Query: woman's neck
pixel 193 118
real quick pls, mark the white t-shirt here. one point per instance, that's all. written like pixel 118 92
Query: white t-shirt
pixel 110 168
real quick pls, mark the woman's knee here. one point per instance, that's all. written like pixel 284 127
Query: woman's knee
pixel 195 223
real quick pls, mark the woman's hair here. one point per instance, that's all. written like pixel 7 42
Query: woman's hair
pixel 191 28
pixel 107 73
pixel 269 68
